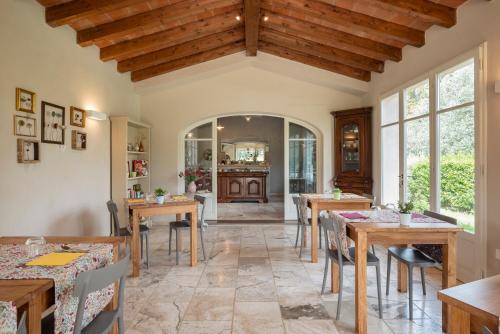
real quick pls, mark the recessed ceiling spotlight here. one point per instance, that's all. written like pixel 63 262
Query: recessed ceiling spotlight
pixel 248 118
pixel 238 18
pixel 266 18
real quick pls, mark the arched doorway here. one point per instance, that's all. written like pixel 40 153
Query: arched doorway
pixel 301 156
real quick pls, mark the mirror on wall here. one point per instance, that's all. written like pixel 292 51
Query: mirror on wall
pixel 246 151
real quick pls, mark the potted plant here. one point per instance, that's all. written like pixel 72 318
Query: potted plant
pixel 160 195
pixel 405 209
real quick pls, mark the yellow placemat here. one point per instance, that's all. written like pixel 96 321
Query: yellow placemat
pixel 179 198
pixel 54 259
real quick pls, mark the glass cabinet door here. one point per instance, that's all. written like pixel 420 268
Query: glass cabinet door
pixel 350 148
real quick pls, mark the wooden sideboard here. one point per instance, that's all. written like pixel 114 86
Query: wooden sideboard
pixel 352 150
pixel 242 186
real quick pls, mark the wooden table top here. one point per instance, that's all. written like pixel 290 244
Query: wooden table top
pixel 21 291
pixel 396 227
pixel 166 204
pixel 482 296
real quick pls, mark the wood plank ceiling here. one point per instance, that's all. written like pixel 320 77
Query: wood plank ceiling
pixel 152 37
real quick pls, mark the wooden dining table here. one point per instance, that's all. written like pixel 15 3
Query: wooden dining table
pixel 391 233
pixel 170 207
pixel 35 296
pixel 320 202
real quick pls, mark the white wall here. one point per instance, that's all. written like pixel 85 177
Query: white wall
pixel 237 89
pixel 478 21
pixel 65 193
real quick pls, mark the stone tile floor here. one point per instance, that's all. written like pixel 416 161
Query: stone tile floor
pixel 274 210
pixel 254 282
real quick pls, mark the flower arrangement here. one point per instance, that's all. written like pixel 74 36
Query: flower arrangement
pixel 191 175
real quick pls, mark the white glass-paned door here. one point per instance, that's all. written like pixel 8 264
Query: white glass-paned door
pixel 390 182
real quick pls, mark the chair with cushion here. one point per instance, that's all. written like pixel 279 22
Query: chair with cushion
pixel 332 230
pixel 127 231
pixel 301 227
pixel 184 224
pixel 88 282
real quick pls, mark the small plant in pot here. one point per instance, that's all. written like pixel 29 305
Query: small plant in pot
pixel 405 209
pixel 160 195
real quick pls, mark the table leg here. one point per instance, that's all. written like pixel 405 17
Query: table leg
pixel 459 321
pixel 314 232
pixel 34 317
pixel 402 275
pixel 360 282
pixel 135 247
pixel 335 277
pixel 194 237
pixel 449 274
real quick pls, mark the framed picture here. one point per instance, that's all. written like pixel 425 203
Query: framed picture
pixel 52 123
pixel 78 140
pixel 28 151
pixel 24 126
pixel 77 117
pixel 25 100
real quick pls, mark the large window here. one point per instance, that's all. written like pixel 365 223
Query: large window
pixel 302 160
pixel 428 137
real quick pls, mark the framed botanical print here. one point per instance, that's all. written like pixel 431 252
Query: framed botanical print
pixel 28 151
pixel 77 117
pixel 78 140
pixel 53 123
pixel 25 100
pixel 24 126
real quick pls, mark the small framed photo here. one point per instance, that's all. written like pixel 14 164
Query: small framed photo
pixel 53 125
pixel 28 151
pixel 24 126
pixel 77 117
pixel 25 100
pixel 78 140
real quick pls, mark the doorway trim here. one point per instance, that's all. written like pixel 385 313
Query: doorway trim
pixel 289 214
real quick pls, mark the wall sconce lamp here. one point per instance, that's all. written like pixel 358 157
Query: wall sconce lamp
pixel 96 115
pixel 497 87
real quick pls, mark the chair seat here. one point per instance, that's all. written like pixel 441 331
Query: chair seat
pixel 125 233
pixel 371 259
pixel 102 323
pixel 411 256
pixel 182 224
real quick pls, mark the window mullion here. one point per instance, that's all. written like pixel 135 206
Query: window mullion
pixel 434 144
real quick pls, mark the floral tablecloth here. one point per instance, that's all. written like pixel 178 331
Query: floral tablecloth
pixel 13 260
pixel 369 216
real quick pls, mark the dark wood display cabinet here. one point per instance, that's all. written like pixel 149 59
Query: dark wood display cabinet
pixel 353 150
pixel 242 186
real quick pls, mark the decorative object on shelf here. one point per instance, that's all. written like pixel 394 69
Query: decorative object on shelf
pixel 78 140
pixel 130 147
pixel 141 147
pixel 140 167
pixel 25 100
pixel 24 126
pixel 405 209
pixel 77 117
pixel 160 195
pixel 133 174
pixel 53 117
pixel 28 151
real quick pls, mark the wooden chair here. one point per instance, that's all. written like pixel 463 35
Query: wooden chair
pixel 127 231
pixel 301 226
pixel 332 228
pixel 21 326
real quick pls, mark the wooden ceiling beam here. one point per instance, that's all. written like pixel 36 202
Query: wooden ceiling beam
pixel 321 51
pixel 424 10
pixel 252 22
pixel 348 21
pixel 331 37
pixel 182 50
pixel 314 61
pixel 78 9
pixel 169 16
pixel 222 51
pixel 177 35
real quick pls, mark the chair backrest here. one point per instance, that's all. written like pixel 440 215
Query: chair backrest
pixel 332 228
pixel 21 326
pixel 113 210
pixel 90 281
pixel 203 201
pixel 296 201
pixel 439 216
